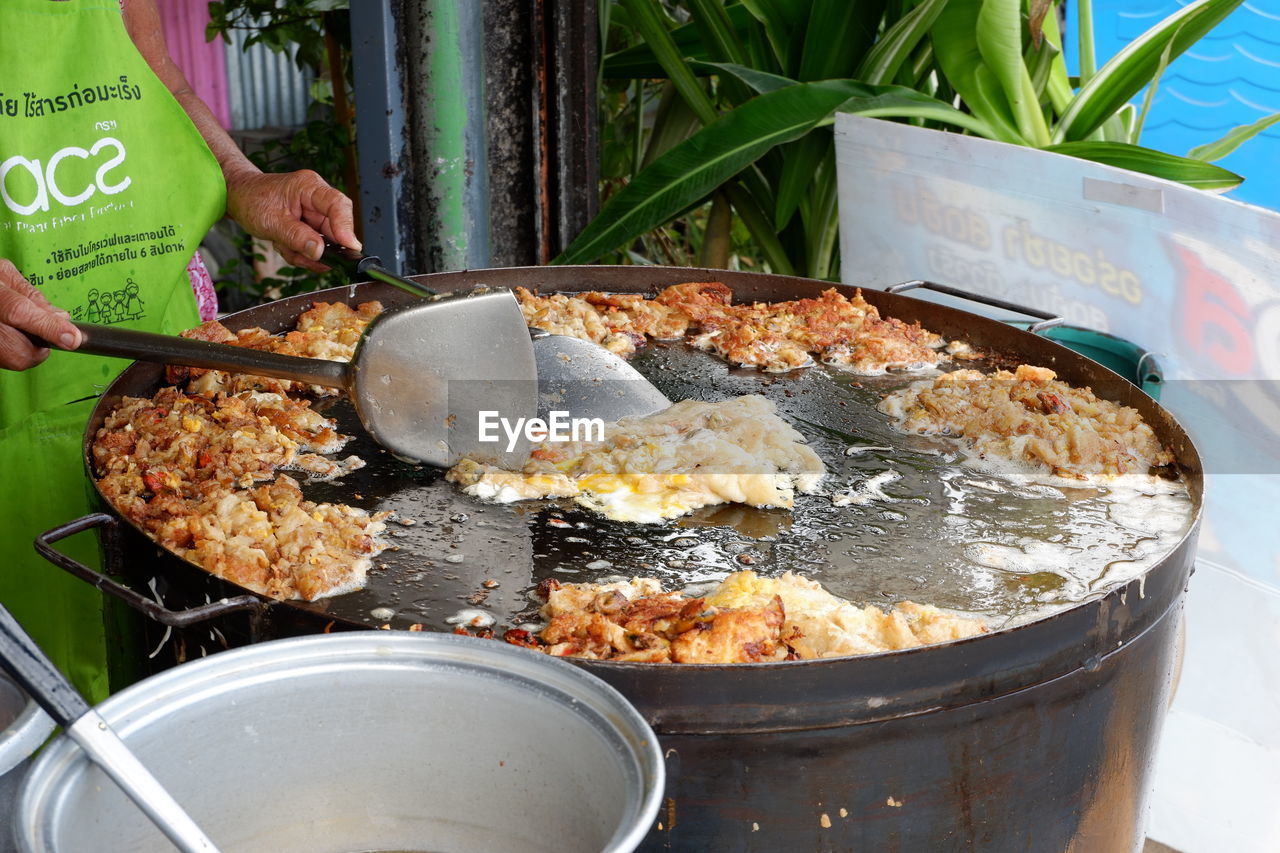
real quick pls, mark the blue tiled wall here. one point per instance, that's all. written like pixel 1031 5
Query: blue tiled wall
pixel 1229 78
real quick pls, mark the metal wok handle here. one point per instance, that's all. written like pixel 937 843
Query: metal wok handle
pixel 1047 319
pixel 172 618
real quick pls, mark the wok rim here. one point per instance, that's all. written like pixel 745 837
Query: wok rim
pixel 581 278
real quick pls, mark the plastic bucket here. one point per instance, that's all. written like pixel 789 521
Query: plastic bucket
pixel 1124 357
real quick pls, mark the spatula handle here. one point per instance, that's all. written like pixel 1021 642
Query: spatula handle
pixel 358 266
pixel 171 349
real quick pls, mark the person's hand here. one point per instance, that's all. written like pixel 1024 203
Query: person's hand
pixel 24 309
pixel 295 210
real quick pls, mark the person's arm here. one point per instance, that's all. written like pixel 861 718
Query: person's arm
pixel 294 210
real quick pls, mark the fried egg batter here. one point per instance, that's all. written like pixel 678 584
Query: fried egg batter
pixel 664 465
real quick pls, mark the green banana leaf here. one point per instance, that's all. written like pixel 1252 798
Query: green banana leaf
pixel 1135 158
pixel 1125 75
pixel 1232 140
pixel 710 158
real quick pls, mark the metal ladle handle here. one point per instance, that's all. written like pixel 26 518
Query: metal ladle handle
pixel 30 667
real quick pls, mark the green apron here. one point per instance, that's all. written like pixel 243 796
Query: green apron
pixel 106 190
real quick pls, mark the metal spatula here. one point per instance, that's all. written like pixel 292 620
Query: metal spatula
pixel 420 379
pixel 23 659
pixel 575 377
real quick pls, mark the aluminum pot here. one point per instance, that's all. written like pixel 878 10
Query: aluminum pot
pixel 364 742
pixel 23 727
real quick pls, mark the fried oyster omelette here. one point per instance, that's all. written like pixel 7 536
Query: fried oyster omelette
pixel 1031 418
pixel 199 470
pixel 746 619
pixel 773 336
pixel 647 469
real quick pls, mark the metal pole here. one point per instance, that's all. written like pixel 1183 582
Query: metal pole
pixel 476 129
pixel 447 111
pixel 380 132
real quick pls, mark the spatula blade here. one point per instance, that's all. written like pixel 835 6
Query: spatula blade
pixel 424 377
pixel 585 380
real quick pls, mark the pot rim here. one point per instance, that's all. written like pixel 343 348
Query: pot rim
pixel 590 698
pixel 1083 631
pixel 21 738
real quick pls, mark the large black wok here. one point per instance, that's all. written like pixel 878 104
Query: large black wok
pixel 1038 736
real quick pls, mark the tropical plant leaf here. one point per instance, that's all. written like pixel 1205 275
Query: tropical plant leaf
pixel 648 21
pixel 673 123
pixel 1133 133
pixel 1158 164
pixel 1135 65
pixel 639 61
pixel 700 164
pixel 784 25
pixel 1058 88
pixel 693 169
pixel 901 102
pixel 1088 53
pixel 715 28
pixel 999 40
pixel 899 41
pixel 759 52
pixel 1039 62
pixel 723 45
pixel 760 81
pixel 838 35
pixel 1036 12
pixel 1232 140
pixel 821 225
pixel 1127 118
pixel 800 162
pixel 955 48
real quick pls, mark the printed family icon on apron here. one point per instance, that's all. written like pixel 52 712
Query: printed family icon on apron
pixel 111 306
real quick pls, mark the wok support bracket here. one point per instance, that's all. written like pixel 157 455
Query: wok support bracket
pixel 172 618
pixel 1047 320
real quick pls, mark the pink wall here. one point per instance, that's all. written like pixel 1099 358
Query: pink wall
pixel 202 61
